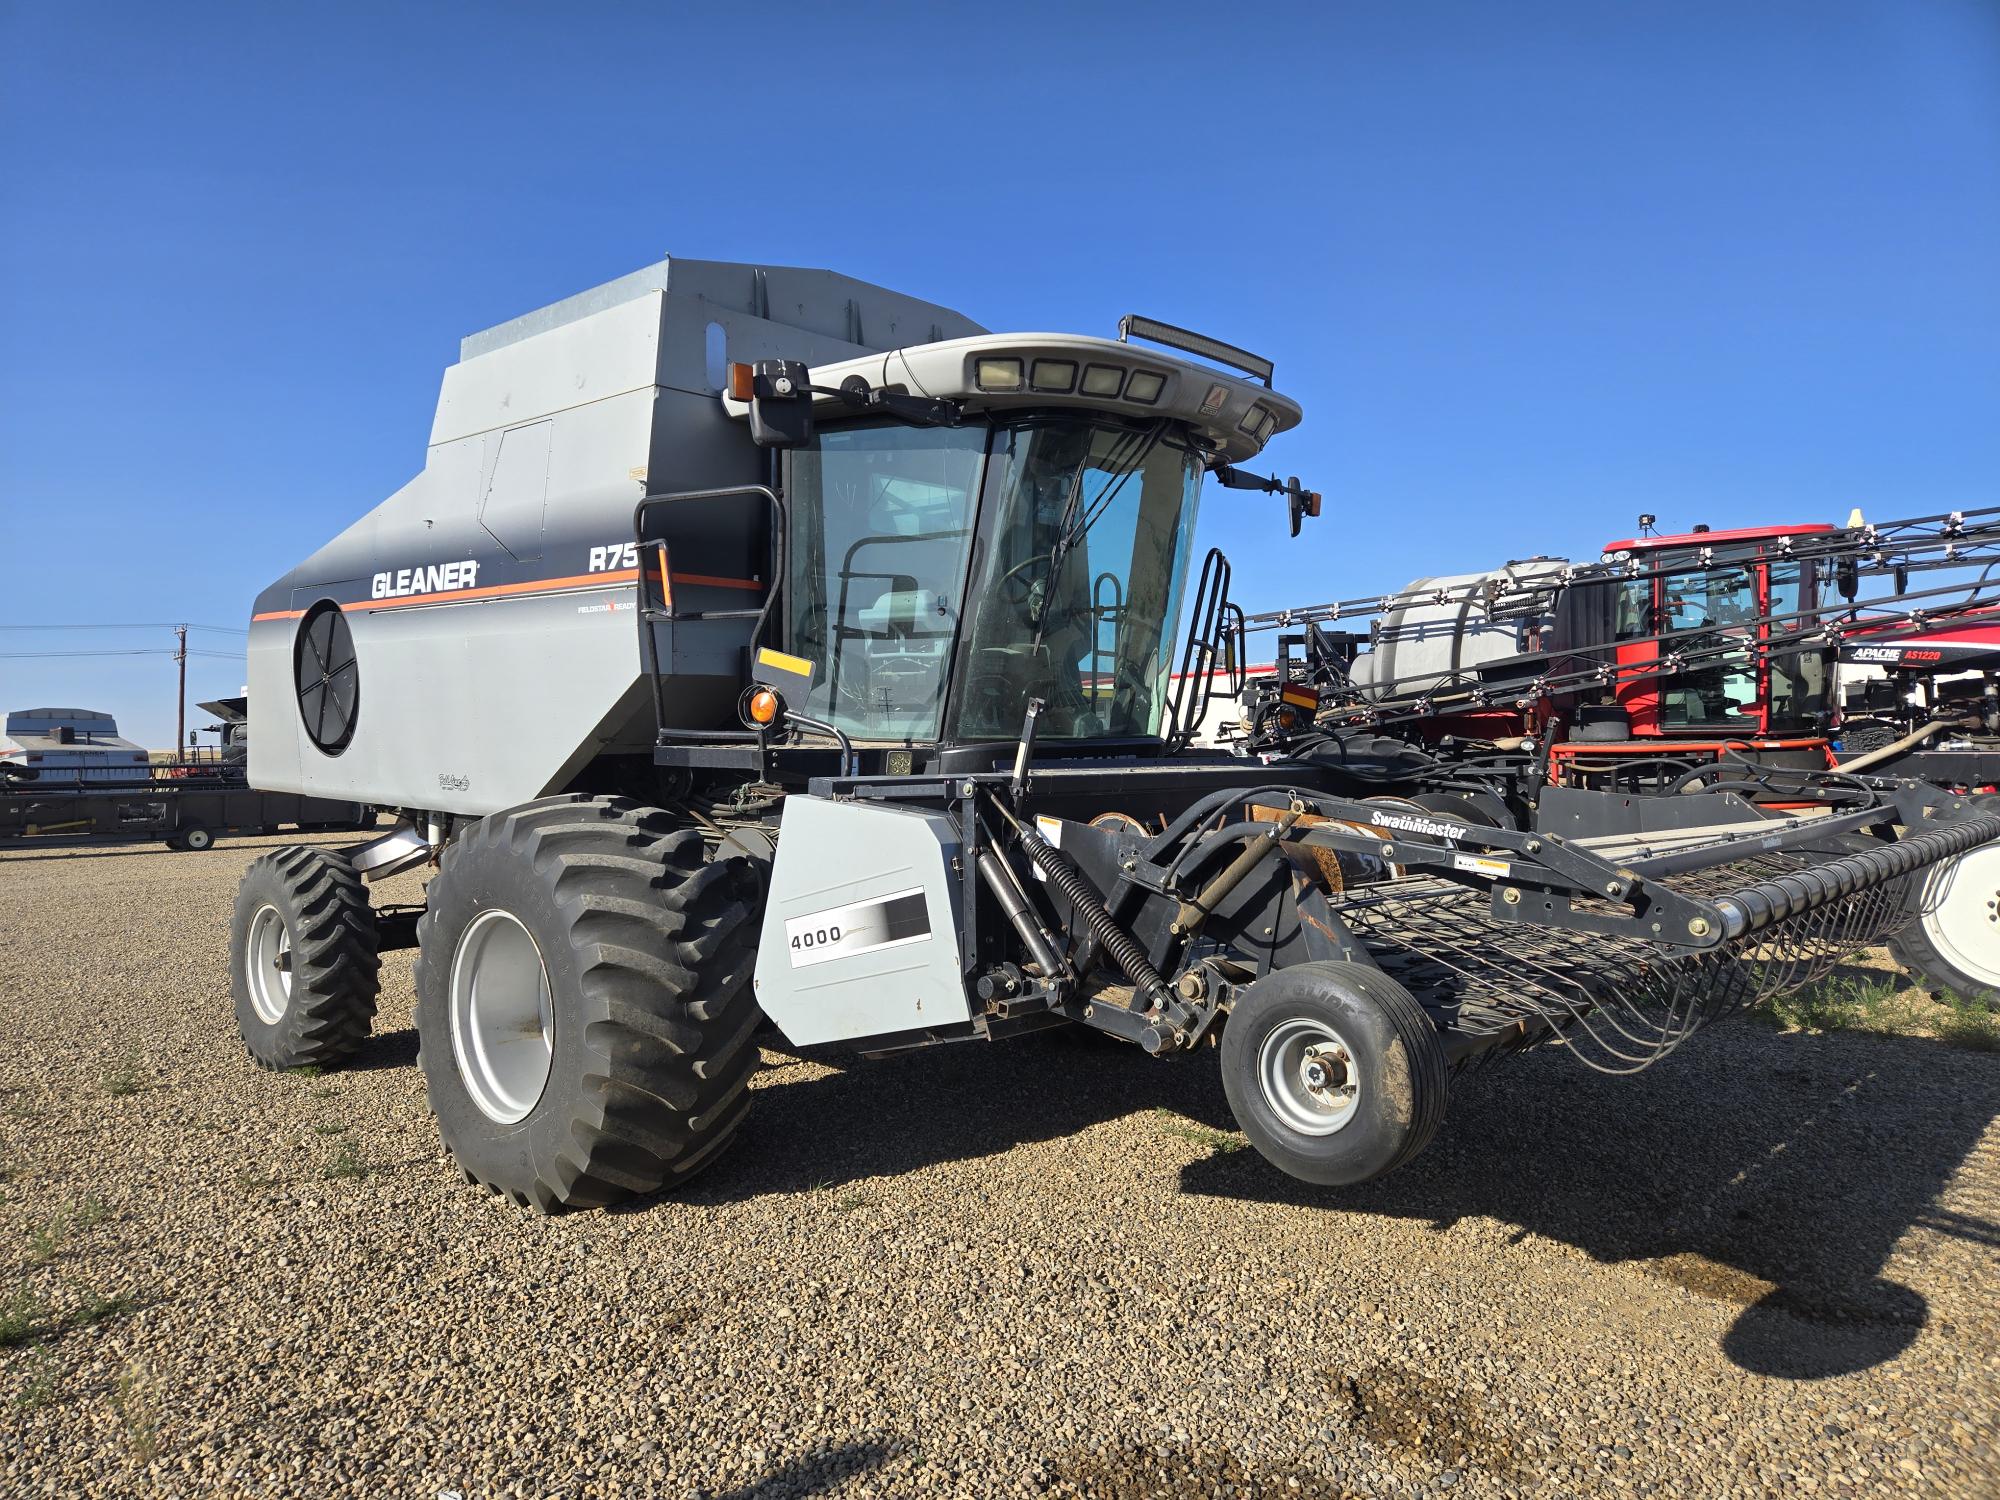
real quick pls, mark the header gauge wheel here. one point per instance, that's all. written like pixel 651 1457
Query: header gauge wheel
pixel 1334 1072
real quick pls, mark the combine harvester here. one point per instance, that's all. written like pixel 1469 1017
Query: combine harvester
pixel 758 644
pixel 1708 659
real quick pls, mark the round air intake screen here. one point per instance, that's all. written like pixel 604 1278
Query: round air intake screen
pixel 327 677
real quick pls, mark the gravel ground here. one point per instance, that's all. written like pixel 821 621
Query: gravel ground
pixel 1767 1267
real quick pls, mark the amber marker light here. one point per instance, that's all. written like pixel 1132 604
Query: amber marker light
pixel 742 382
pixel 764 707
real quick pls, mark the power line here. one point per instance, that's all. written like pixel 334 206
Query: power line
pixel 118 651
pixel 141 625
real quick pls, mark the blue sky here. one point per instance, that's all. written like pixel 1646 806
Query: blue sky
pixel 1531 268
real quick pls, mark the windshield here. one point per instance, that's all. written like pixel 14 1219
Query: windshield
pixel 1711 611
pixel 1082 529
pixel 1083 532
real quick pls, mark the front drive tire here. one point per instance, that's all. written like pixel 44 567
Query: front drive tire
pixel 1334 1072
pixel 584 1007
pixel 303 962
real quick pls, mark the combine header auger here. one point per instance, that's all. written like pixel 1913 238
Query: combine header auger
pixel 759 644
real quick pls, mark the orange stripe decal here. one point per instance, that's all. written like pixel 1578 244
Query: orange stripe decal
pixel 530 586
pixel 710 581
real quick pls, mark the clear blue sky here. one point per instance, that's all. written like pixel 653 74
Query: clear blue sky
pixel 1531 268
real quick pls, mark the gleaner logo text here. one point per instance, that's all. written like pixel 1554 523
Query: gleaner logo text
pixel 438 578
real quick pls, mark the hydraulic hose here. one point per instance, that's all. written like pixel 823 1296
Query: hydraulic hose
pixel 1909 741
pixel 1115 940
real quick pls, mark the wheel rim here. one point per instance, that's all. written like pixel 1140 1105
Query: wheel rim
pixel 1307 1074
pixel 1961 915
pixel 268 965
pixel 199 838
pixel 502 1017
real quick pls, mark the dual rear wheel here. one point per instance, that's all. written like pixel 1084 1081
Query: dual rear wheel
pixel 639 1075
pixel 584 1013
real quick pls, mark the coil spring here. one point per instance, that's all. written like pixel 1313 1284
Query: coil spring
pixel 1115 940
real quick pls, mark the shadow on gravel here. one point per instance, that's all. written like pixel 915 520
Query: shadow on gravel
pixel 1776 1173
pixel 1773 1172
pixel 813 1474
pixel 387 1049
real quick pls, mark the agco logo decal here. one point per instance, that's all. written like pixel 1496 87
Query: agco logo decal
pixel 438 578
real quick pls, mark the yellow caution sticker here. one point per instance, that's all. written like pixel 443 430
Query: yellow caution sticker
pixel 780 661
pixel 1477 864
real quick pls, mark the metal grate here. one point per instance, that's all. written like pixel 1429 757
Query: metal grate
pixel 1618 1004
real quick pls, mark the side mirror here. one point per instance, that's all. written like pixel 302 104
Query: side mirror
pixel 781 405
pixel 1302 503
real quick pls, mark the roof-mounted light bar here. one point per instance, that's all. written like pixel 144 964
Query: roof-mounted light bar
pixel 1132 326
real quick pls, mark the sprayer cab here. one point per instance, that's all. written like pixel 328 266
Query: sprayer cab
pixel 973 524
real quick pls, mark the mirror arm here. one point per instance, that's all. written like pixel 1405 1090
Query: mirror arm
pixel 919 411
pixel 1300 502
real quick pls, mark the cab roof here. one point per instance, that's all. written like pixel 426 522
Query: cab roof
pixel 1710 538
pixel 1010 371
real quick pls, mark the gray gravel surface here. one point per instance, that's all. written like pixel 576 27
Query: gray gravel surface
pixel 1767 1267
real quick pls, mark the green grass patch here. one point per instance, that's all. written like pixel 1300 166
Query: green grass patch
pixel 96 1309
pixel 329 1127
pixel 90 1213
pixel 1969 1024
pixel 42 1384
pixel 43 1243
pixel 346 1163
pixel 256 1182
pixel 305 1070
pixel 132 1400
pixel 1218 1142
pixel 21 1316
pixel 1843 1004
pixel 126 1076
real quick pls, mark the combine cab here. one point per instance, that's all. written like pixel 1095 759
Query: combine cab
pixel 762 646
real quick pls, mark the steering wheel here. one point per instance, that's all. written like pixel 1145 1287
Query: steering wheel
pixel 1025 592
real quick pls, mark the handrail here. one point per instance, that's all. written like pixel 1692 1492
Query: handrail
pixel 648 647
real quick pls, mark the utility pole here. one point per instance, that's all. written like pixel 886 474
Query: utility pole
pixel 181 706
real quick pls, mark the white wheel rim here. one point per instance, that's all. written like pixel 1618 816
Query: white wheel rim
pixel 1960 915
pixel 268 965
pixel 502 1016
pixel 1307 1075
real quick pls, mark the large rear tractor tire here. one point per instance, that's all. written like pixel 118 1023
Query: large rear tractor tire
pixel 1952 942
pixel 586 1022
pixel 1334 1072
pixel 303 961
